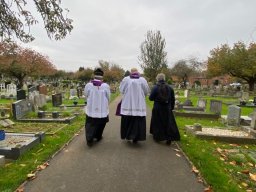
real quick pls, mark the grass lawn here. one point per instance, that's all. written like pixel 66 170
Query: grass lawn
pixel 225 167
pixel 15 172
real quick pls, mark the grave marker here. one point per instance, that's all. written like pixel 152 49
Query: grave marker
pixel 234 113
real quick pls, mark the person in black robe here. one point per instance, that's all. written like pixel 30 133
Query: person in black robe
pixel 163 125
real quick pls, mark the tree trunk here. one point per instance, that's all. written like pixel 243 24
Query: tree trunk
pixel 251 84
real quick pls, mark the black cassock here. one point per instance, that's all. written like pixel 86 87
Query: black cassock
pixel 94 127
pixel 133 127
pixel 163 124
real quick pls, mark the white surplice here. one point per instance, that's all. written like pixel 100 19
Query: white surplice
pixel 97 100
pixel 134 92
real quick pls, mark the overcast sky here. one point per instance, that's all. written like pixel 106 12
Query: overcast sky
pixel 113 30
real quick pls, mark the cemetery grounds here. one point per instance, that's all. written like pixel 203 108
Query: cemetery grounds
pixel 225 167
pixel 222 165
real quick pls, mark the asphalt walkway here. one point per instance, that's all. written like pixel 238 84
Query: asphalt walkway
pixel 114 165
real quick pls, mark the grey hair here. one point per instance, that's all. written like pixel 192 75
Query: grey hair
pixel 160 77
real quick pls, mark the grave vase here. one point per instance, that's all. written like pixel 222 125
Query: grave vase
pixel 2 135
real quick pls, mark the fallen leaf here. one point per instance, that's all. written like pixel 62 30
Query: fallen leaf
pixel 22 165
pixel 233 144
pixel 31 176
pixel 219 150
pixel 250 164
pixel 232 163
pixel 245 171
pixel 76 134
pixel 195 170
pixel 46 164
pixel 246 146
pixel 178 155
pixel 252 176
pixel 244 184
pixel 214 143
pixel 176 150
pixel 20 190
pixel 249 190
pixel 41 167
pixel 208 189
pixel 222 159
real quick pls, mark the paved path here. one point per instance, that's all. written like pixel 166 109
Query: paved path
pixel 114 165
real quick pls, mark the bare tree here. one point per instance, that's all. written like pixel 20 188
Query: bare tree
pixel 16 19
pixel 153 57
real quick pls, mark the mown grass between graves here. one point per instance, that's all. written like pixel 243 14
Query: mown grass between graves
pixel 203 155
pixel 14 173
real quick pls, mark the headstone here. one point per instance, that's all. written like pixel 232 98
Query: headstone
pixel 2 87
pixel 216 106
pixel 21 94
pixel 56 99
pixel 202 103
pixel 11 90
pixel 234 113
pixel 42 90
pixel 238 94
pixel 186 93
pixel 245 96
pixel 72 93
pixel 79 92
pixel 21 108
pixel 253 121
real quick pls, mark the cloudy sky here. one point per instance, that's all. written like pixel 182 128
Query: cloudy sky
pixel 113 30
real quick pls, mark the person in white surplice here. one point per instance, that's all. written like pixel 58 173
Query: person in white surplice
pixel 134 88
pixel 98 94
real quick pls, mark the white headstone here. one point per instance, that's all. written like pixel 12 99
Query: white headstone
pixel 11 89
pixel 216 106
pixel 253 121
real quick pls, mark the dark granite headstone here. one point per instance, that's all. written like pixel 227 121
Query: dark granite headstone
pixel 57 99
pixel 21 108
pixel 21 94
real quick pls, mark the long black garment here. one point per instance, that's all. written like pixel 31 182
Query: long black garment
pixel 133 127
pixel 94 127
pixel 163 124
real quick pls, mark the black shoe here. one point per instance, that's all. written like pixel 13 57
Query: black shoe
pixel 168 142
pixel 89 143
pixel 135 141
pixel 98 139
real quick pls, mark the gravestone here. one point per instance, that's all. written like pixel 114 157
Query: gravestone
pixel 42 90
pixel 2 87
pixel 21 108
pixel 245 96
pixel 21 94
pixel 253 121
pixel 234 113
pixel 72 93
pixel 186 93
pixel 202 103
pixel 57 99
pixel 79 92
pixel 216 106
pixel 11 90
pixel 254 100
